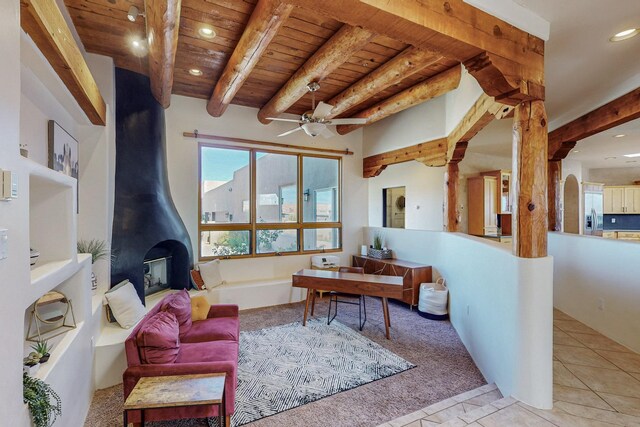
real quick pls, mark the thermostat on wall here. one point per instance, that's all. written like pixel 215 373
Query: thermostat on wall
pixel 8 185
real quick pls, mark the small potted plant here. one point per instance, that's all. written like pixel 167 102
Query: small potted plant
pixel 98 250
pixel 377 250
pixel 44 403
pixel 41 349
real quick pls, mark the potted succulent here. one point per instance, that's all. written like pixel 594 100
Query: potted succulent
pixel 44 403
pixel 41 350
pixel 98 250
pixel 377 250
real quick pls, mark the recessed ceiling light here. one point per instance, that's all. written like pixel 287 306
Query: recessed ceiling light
pixel 624 35
pixel 631 161
pixel 610 158
pixel 207 32
pixel 576 151
pixel 620 135
pixel 632 155
pixel 138 46
pixel 195 72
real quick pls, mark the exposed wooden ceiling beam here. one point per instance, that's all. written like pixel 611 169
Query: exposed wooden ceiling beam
pixel 440 151
pixel 416 94
pixel 163 24
pixel 43 21
pixel 612 114
pixel 481 113
pixel 507 62
pixel 432 153
pixel 408 62
pixel 337 50
pixel 266 19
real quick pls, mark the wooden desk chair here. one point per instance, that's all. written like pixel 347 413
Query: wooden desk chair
pixel 333 298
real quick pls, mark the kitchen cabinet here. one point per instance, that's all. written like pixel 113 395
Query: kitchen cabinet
pixel 503 189
pixel 620 199
pixel 632 199
pixel 482 203
pixel 628 235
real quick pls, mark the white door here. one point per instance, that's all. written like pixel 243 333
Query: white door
pixel 490 205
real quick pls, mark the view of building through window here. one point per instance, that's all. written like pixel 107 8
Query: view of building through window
pixel 234 224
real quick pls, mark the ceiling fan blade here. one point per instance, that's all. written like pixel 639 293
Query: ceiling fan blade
pixel 352 121
pixel 322 110
pixel 326 133
pixel 277 119
pixel 290 131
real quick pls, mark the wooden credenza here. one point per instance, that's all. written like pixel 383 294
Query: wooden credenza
pixel 413 274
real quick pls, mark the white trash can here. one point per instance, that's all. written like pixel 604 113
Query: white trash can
pixel 433 300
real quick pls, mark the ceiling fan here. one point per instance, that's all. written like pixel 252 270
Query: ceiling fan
pixel 315 124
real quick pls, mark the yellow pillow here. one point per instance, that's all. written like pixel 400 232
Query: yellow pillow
pixel 199 308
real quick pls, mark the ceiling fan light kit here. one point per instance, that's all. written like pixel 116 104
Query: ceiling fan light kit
pixel 316 122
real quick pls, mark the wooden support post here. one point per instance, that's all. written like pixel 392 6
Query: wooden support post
pixel 553 186
pixel 451 185
pixel 530 180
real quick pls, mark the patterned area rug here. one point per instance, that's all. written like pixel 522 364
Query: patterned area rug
pixel 287 366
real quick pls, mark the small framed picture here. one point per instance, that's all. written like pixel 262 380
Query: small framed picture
pixel 63 151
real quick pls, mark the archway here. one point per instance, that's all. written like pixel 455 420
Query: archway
pixel 571 217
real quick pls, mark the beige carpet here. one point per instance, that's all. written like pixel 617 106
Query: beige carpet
pixel 444 369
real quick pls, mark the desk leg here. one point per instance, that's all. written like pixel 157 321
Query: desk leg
pixel 141 417
pixel 385 312
pixel 306 306
pixel 313 301
pixel 126 418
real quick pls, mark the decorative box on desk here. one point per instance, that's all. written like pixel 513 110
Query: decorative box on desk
pixel 379 253
pixel 413 273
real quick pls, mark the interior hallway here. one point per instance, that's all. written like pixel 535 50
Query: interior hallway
pixel 596 383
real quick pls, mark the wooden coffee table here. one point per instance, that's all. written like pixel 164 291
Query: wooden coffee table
pixel 351 283
pixel 176 390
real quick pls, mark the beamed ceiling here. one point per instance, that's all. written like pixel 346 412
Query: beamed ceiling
pixel 372 58
pixel 104 29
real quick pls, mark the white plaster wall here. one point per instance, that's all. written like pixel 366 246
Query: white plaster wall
pixel 500 305
pixel 14 271
pixel 459 101
pixel 186 114
pixel 421 123
pixel 97 169
pixel 589 269
pixel 424 194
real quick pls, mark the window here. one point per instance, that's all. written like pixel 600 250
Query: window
pixel 259 203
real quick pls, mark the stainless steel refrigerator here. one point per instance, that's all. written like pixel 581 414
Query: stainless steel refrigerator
pixel 593 212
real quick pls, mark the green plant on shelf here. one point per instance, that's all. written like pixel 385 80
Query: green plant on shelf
pixel 42 351
pixel 378 241
pixel 44 403
pixel 96 247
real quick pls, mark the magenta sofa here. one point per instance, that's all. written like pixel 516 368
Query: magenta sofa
pixel 208 346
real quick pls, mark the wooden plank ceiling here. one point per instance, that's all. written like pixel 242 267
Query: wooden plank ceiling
pixel 104 29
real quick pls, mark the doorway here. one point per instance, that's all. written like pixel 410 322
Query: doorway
pixel 571 217
pixel 393 207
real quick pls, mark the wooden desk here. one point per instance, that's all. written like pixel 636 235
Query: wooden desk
pixel 351 283
pixel 413 274
pixel 176 390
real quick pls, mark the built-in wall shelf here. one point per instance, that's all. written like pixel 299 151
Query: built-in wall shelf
pixel 62 344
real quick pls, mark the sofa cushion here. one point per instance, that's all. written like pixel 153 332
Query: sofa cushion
pixel 218 328
pixel 180 305
pixel 158 340
pixel 210 272
pixel 212 351
pixel 125 304
pixel 199 308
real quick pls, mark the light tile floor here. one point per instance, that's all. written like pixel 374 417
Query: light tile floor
pixel 596 382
